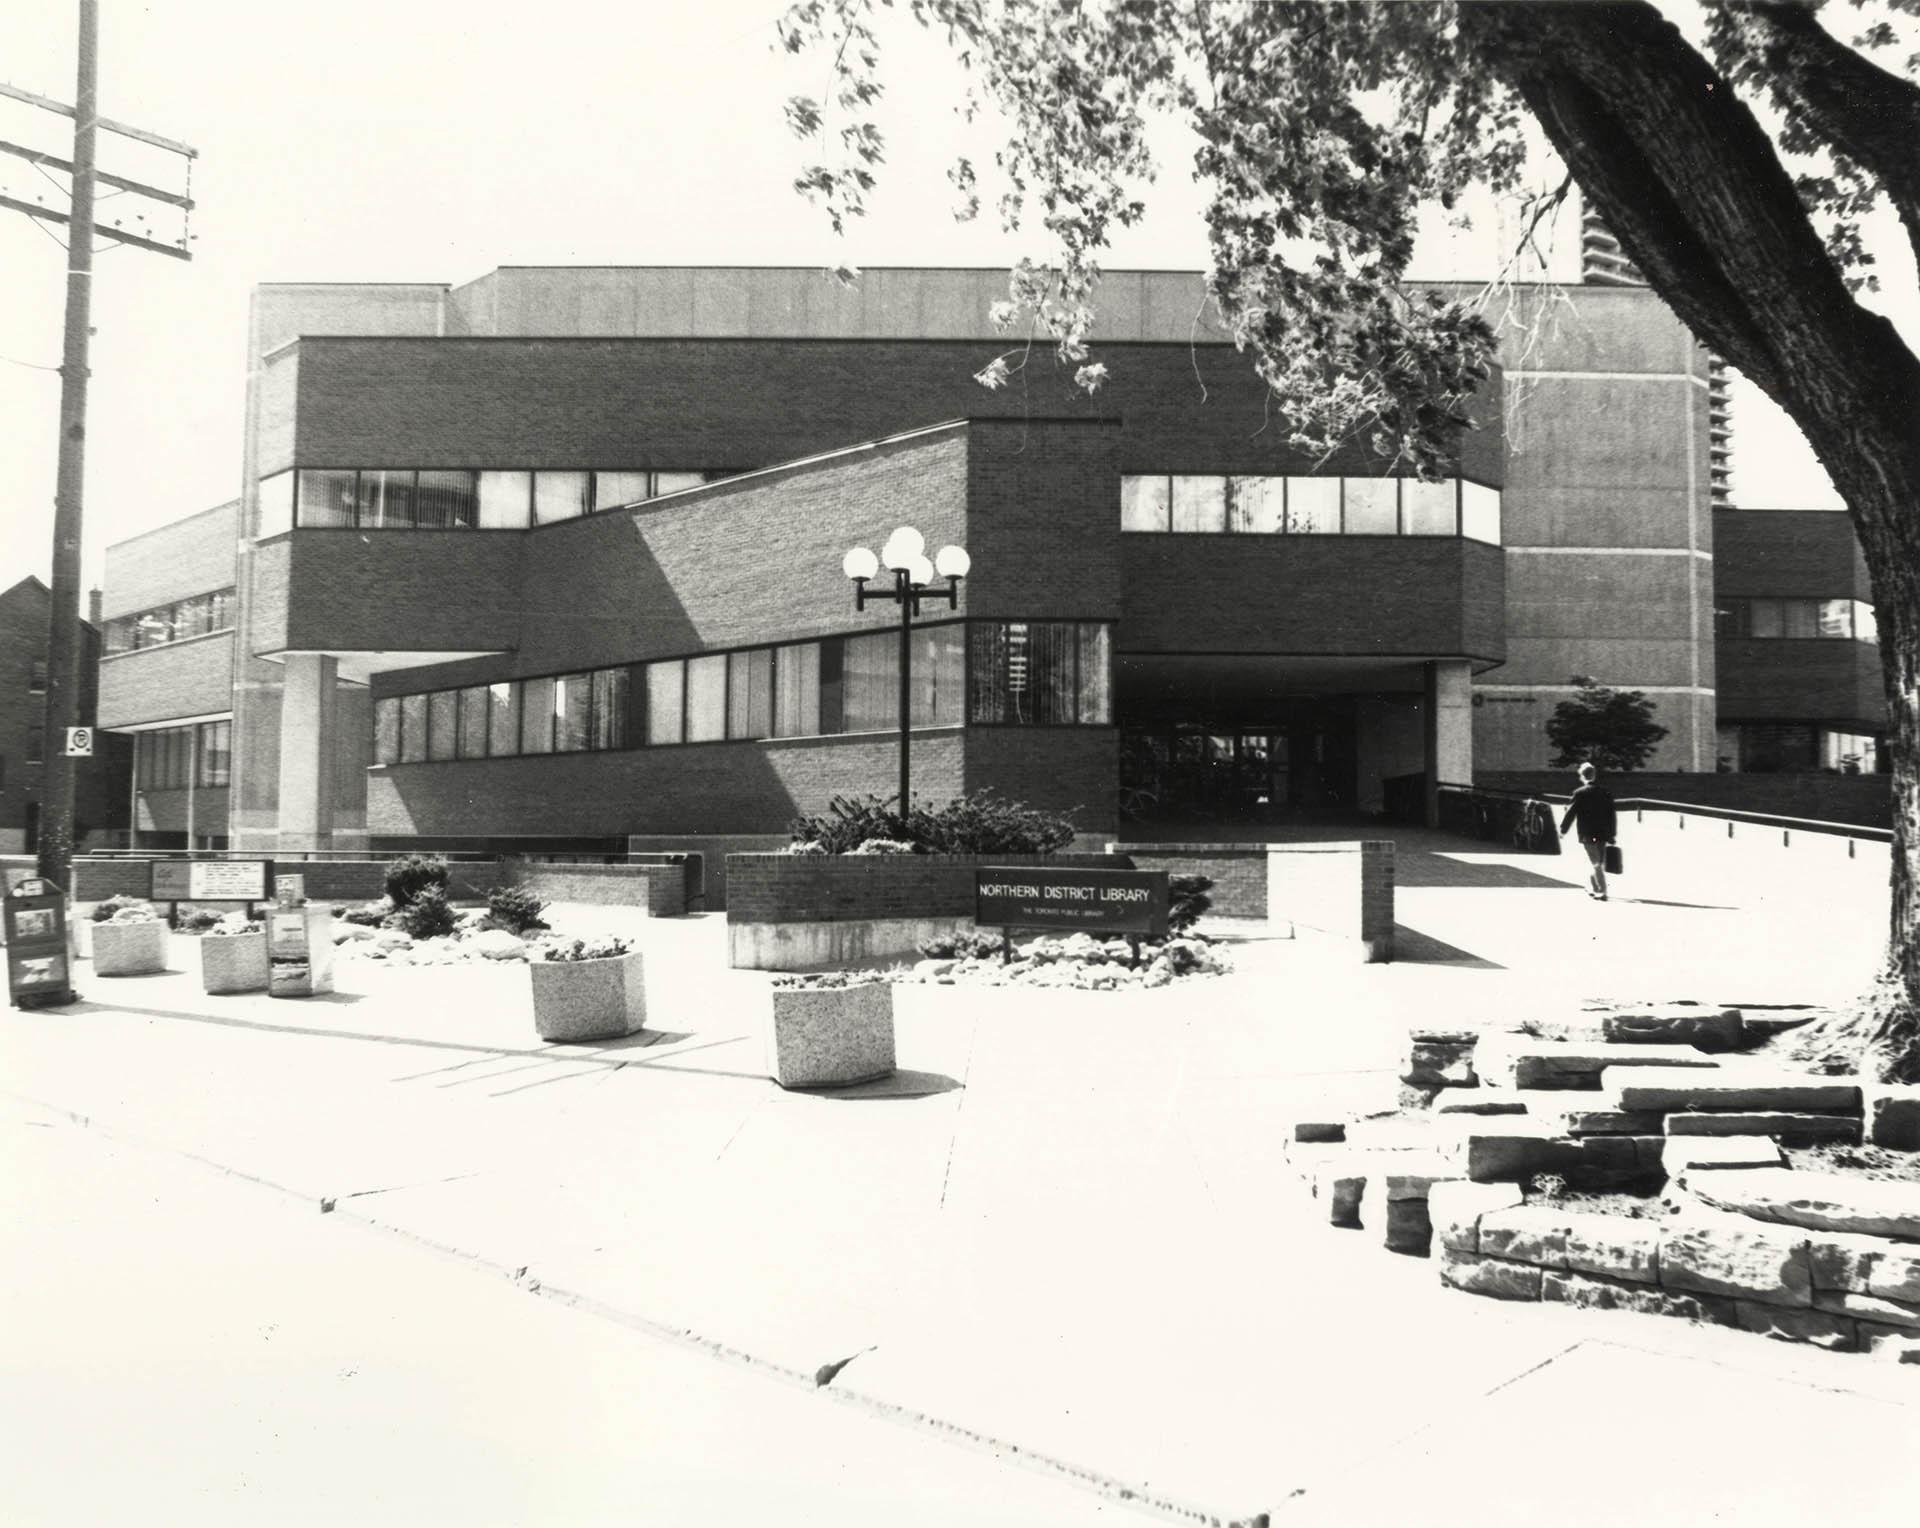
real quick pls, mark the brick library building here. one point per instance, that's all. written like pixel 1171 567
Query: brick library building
pixel 554 560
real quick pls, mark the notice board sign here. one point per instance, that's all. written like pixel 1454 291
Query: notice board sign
pixel 211 881
pixel 1084 901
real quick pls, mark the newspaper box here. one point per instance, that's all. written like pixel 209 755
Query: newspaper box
pixel 299 943
pixel 39 962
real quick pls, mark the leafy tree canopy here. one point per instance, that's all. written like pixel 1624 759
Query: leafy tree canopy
pixel 1611 729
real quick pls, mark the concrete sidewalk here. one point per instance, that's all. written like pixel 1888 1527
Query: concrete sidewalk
pixel 1064 1230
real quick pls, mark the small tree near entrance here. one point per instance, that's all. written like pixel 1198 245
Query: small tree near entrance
pixel 1612 729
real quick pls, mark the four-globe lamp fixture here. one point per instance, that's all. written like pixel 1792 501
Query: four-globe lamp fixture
pixel 905 556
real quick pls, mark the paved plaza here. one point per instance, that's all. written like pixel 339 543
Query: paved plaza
pixel 1064 1232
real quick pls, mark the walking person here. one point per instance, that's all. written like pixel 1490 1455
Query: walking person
pixel 1591 810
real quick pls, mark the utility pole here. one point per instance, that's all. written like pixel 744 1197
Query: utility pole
pixel 55 847
pixel 63 619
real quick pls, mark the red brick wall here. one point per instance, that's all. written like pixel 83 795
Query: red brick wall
pixel 680 403
pixel 190 556
pixel 191 678
pixel 1239 878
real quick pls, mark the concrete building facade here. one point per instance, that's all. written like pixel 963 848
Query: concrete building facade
pixel 554 558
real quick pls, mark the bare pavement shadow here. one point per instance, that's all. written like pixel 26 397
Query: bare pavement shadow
pixel 1412 947
pixel 904 1083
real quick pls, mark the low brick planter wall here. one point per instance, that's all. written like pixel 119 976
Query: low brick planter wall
pixel 663 889
pixel 1238 872
pixel 799 912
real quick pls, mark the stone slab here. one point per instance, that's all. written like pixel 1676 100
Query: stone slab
pixel 1477 1101
pixel 1841 1261
pixel 1837 1334
pixel 1895 1272
pixel 1320 1131
pixel 1454 1209
pixel 1705 1029
pixel 1896 1343
pixel 1610 1122
pixel 1613 1246
pixel 1490 1276
pixel 1706 1252
pixel 1893 1115
pixel 1441 1063
pixel 1340 1187
pixel 1676 1090
pixel 1409 1230
pixel 1685 1153
pixel 1410 1174
pixel 1501 1150
pixel 1779 1125
pixel 1541 1065
pixel 1819 1201
pixel 1531 1233
pixel 1868 1307
pixel 1591 1293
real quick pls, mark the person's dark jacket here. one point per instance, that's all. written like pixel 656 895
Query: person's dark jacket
pixel 1592 810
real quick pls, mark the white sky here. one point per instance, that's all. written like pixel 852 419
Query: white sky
pixel 425 140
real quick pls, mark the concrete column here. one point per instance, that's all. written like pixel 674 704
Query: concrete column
pixel 307 727
pixel 1448 717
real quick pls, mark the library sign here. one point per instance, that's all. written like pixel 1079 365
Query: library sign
pixel 1130 902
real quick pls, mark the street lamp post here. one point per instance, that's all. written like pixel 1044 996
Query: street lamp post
pixel 905 556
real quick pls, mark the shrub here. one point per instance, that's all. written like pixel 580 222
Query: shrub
pixel 884 846
pixel 427 916
pixel 607 948
pixel 235 923
pixel 136 909
pixel 983 823
pixel 414 873
pixel 201 920
pixel 515 908
pixel 368 914
pixel 828 981
pixel 959 946
pixel 1187 899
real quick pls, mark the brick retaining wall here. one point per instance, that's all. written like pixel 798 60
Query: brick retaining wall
pixel 1238 872
pixel 838 888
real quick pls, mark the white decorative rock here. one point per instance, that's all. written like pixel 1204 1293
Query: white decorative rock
pixel 232 963
pixel 830 1037
pixel 496 944
pixel 582 1000
pixel 129 949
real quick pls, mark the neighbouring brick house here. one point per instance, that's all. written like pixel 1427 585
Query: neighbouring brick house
pixel 554 558
pixel 100 783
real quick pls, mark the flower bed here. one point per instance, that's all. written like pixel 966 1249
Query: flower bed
pixel 1078 961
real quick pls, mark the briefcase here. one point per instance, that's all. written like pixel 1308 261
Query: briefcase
pixel 1614 862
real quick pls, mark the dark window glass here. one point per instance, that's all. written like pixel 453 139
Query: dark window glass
pixel 1096 673
pixel 707 698
pixel 154 628
pixel 1768 618
pixel 1801 618
pixel 870 682
pixel 119 634
pixel 445 501
pixel 222 608
pixel 939 675
pixel 413 728
pixel 473 722
pixel 610 703
pixel 666 701
pixel 443 724
pixel 833 689
pixel 1729 620
pixel 386 731
pixel 34 749
pixel 536 716
pixel 572 712
pixel 37 677
pixel 750 694
pixel 326 497
pixel 503 719
pixel 797 690
pixel 216 750
pixel 386 499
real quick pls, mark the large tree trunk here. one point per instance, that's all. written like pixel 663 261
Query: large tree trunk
pixel 1692 186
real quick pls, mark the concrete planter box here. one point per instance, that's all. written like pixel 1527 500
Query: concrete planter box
pixel 830 1037
pixel 578 1000
pixel 129 949
pixel 233 963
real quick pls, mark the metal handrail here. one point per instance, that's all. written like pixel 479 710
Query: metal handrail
pixel 1724 814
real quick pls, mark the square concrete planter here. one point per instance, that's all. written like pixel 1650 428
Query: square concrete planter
pixel 129 949
pixel 233 963
pixel 827 1037
pixel 577 1000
